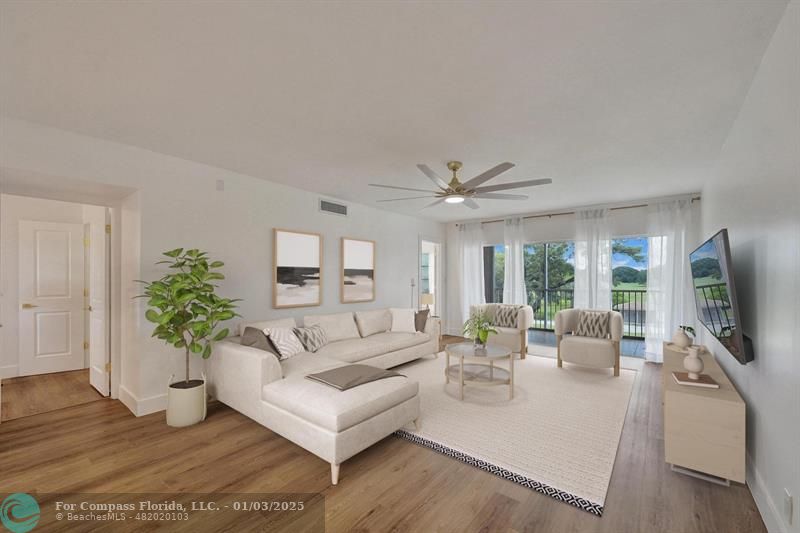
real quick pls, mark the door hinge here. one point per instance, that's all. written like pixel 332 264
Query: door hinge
pixel 86 292
pixel 86 242
pixel 85 345
pixel 108 367
pixel 108 228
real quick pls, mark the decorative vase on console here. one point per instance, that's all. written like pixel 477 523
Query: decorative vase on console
pixel 692 362
pixel 681 339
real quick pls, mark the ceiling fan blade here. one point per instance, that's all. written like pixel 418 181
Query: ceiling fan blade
pixel 515 185
pixel 495 196
pixel 435 178
pixel 402 188
pixel 469 202
pixel 437 202
pixel 410 198
pixel 489 174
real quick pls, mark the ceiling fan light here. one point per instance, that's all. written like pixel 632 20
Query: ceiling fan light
pixel 454 199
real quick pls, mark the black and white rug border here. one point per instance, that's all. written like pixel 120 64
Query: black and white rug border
pixel 560 495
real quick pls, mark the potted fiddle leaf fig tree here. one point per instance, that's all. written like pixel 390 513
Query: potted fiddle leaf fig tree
pixel 186 309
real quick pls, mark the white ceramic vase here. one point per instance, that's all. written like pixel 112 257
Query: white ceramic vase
pixel 186 406
pixel 692 363
pixel 681 339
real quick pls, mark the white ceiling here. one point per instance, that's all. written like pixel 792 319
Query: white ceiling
pixel 613 100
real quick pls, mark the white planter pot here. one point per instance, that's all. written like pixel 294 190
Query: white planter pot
pixel 186 406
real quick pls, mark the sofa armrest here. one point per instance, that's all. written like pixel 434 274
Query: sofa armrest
pixel 433 327
pixel 237 373
pixel 525 318
pixel 615 325
pixel 566 321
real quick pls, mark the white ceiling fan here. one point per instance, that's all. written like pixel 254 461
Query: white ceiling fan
pixel 466 193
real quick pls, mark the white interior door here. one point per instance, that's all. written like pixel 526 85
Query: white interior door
pixel 99 376
pixel 51 282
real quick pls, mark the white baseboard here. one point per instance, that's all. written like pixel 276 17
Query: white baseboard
pixel 9 371
pixel 142 406
pixel 770 513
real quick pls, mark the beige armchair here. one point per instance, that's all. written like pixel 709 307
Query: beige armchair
pixel 588 351
pixel 514 338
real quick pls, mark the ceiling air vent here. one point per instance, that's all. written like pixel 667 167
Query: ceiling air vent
pixel 333 208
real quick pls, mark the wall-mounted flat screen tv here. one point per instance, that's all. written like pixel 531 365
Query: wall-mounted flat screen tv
pixel 715 295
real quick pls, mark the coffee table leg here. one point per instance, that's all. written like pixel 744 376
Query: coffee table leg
pixel 461 377
pixel 511 377
pixel 491 370
pixel 447 368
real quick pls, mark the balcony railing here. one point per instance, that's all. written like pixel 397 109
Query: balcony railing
pixel 631 303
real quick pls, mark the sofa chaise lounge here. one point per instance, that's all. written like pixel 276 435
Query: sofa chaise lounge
pixel 334 425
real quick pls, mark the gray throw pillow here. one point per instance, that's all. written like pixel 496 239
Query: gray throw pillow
pixel 312 337
pixel 592 324
pixel 420 319
pixel 256 338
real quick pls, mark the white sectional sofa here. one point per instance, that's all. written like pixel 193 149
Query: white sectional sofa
pixel 334 425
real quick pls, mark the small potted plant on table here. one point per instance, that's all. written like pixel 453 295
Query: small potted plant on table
pixel 186 309
pixel 478 327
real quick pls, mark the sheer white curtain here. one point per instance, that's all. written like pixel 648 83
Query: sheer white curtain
pixel 470 254
pixel 669 294
pixel 592 259
pixel 514 291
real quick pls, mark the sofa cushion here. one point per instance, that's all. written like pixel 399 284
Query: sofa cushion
pixel 352 350
pixel 505 316
pixel 256 338
pixel 285 341
pixel 403 320
pixel 312 337
pixel 588 351
pixel 356 350
pixel 307 363
pixel 338 326
pixel 372 322
pixel 264 324
pixel 391 341
pixel 336 410
pixel 421 318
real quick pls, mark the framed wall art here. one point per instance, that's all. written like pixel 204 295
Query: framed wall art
pixel 297 269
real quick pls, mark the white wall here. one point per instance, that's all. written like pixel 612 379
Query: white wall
pixel 755 193
pixel 177 204
pixel 12 210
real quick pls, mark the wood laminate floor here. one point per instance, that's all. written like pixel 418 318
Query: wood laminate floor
pixel 31 395
pixel 394 485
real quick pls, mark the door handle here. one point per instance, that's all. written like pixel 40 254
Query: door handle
pixel 29 306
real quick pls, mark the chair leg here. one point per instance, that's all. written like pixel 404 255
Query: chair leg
pixel 616 359
pixel 334 474
pixel 558 350
pixel 523 350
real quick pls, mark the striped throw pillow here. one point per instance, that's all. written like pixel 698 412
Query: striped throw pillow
pixel 506 316
pixel 313 337
pixel 592 324
pixel 285 341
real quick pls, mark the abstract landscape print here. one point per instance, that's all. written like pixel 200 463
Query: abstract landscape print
pixel 297 269
pixel 358 270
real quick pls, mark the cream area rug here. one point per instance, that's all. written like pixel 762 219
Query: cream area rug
pixel 558 436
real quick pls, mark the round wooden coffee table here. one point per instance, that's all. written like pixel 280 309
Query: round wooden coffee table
pixel 476 366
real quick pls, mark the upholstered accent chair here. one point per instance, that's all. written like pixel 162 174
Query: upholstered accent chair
pixel 600 351
pixel 511 322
